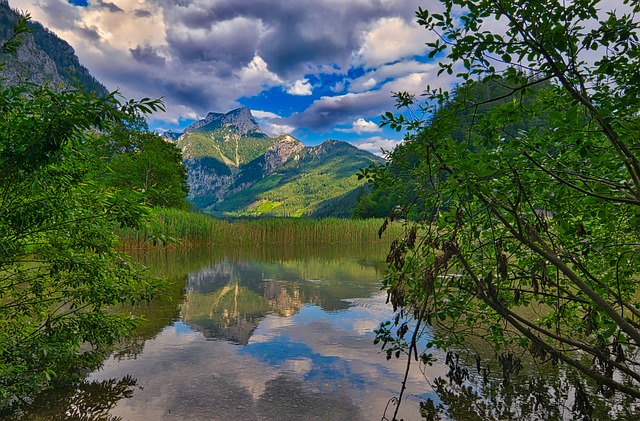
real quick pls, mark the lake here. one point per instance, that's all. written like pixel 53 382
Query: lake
pixel 287 334
pixel 254 334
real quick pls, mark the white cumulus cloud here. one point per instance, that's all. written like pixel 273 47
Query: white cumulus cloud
pixel 259 114
pixel 361 126
pixel 301 87
pixel 376 144
pixel 390 40
pixel 270 123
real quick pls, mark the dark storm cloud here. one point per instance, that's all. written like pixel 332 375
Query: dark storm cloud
pixel 89 33
pixel 297 33
pixel 141 13
pixel 201 95
pixel 227 44
pixel 327 112
pixel 61 15
pixel 110 6
pixel 147 54
pixel 206 54
pixel 186 88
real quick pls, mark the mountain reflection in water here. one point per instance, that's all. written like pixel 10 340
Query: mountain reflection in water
pixel 257 337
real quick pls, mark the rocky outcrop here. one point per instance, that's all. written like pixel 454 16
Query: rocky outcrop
pixel 239 119
pixel 279 154
pixel 208 180
pixel 42 58
pixel 29 64
pixel 171 135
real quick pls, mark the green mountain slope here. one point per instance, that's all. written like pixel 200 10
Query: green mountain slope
pixel 313 185
pixel 237 170
pixel 225 145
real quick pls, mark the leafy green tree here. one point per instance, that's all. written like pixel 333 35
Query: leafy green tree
pixel 143 161
pixel 529 238
pixel 60 270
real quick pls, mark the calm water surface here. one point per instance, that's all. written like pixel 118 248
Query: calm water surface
pixel 273 334
pixel 287 334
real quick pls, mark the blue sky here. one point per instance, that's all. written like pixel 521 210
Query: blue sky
pixel 316 69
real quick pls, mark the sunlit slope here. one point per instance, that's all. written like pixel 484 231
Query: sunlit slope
pixel 322 181
pixel 225 145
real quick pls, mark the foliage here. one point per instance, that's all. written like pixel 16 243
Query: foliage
pixel 59 268
pixel 142 161
pixel 409 194
pixel 86 401
pixel 529 234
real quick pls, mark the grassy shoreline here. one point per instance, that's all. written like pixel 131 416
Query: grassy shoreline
pixel 190 229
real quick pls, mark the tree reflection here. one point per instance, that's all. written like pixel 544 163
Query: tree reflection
pixel 482 390
pixel 88 401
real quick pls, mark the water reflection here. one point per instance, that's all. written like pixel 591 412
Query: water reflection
pixel 229 299
pixel 88 401
pixel 286 334
pixel 256 336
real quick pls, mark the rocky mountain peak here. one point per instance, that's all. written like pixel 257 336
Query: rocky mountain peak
pixel 169 134
pixel 240 119
pixel 278 154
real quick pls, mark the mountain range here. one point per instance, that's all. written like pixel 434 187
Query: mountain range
pixel 235 169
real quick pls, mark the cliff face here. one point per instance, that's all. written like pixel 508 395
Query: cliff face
pixel 228 153
pixel 42 58
pixel 30 64
pixel 277 155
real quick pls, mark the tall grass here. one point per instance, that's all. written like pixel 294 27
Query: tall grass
pixel 190 229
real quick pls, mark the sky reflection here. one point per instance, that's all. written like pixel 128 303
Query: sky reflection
pixel 309 363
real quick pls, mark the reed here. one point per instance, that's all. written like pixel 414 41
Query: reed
pixel 189 229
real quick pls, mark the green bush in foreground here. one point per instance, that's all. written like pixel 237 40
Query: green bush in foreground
pixel 537 223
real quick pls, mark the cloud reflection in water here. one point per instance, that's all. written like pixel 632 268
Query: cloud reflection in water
pixel 313 361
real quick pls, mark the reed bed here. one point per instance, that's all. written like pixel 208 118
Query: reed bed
pixel 188 229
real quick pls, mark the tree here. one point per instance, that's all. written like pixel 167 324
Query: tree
pixel 60 270
pixel 529 238
pixel 143 161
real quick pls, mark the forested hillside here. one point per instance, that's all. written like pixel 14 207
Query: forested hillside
pixel 467 105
